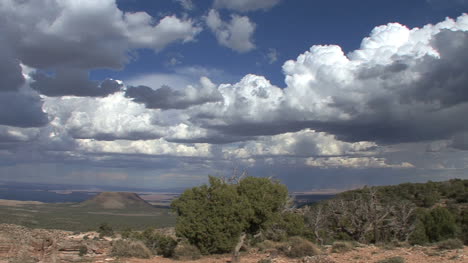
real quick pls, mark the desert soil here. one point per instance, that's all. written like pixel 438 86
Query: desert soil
pixel 20 245
pixel 367 254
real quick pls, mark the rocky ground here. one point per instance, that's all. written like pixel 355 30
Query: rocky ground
pixel 22 245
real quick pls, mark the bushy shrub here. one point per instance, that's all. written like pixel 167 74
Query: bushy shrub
pixel 340 247
pixel 392 260
pixel 126 233
pixel 158 243
pixel 285 225
pixel 130 248
pixel 418 236
pixel 186 251
pixel 440 224
pixel 464 226
pixel 83 250
pixel 214 217
pixel 105 230
pixel 297 247
pixel 450 244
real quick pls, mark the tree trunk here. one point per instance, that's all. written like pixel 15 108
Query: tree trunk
pixel 317 235
pixel 236 253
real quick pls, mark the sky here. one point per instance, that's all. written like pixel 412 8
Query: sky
pixel 332 94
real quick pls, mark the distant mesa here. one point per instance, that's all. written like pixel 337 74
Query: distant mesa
pixel 116 201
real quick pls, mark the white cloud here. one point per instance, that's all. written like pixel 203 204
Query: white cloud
pixel 393 89
pixel 78 36
pixel 167 97
pixel 157 80
pixel 354 162
pixel 235 34
pixel 109 118
pixel 188 5
pixel 245 5
pixel 170 29
pixel 401 85
pixel 304 143
pixel 13 134
pixel 179 78
pixel 158 147
pixel 272 55
pixel 60 33
pixel 252 99
pixel 396 76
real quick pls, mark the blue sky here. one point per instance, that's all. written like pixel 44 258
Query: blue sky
pixel 289 28
pixel 319 94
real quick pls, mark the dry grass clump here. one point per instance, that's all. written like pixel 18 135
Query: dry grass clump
pixel 268 245
pixel 450 244
pixel 342 246
pixel 297 247
pixel 130 248
pixel 392 260
pixel 186 251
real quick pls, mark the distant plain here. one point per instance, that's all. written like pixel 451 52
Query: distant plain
pixel 54 207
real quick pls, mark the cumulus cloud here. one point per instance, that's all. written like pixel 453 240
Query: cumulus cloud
pixel 402 85
pixel 72 82
pixel 169 98
pixel 59 37
pixel 354 162
pixel 336 110
pixel 395 87
pixel 245 5
pixel 235 34
pixel 170 29
pixel 305 143
pixel 110 118
pixel 252 100
pixel 152 147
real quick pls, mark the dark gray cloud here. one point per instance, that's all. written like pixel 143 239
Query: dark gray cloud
pixel 446 79
pixel 169 98
pixel 72 82
pixel 10 71
pixel 9 137
pixel 214 138
pixel 460 141
pixel 246 130
pixel 132 135
pixel 74 40
pixel 21 110
pixel 441 91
